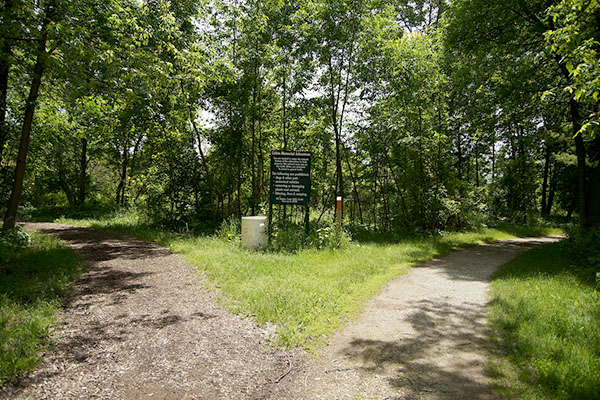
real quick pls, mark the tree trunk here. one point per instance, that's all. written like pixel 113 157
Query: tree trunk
pixel 581 167
pixel 477 163
pixel 120 198
pixel 593 193
pixel 355 187
pixel 82 172
pixel 545 180
pixel 5 55
pixel 209 181
pixel 38 70
pixel 552 191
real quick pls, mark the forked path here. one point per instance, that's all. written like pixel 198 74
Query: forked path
pixel 140 324
pixel 419 338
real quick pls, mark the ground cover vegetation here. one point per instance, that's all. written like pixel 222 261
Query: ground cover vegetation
pixel 36 272
pixel 425 116
pixel 305 291
pixel 545 310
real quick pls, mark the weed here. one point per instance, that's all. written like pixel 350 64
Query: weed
pixel 40 275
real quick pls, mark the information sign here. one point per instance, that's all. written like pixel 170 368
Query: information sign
pixel 290 178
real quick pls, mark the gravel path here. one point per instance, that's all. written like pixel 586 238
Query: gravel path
pixel 140 324
pixel 419 338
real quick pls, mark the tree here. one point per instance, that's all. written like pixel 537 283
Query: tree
pixel 513 34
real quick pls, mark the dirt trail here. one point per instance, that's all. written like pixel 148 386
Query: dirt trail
pixel 140 324
pixel 419 338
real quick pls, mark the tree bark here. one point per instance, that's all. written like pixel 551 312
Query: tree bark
pixel 544 210
pixel 581 167
pixel 355 187
pixel 38 71
pixel 82 172
pixel 5 55
pixel 593 192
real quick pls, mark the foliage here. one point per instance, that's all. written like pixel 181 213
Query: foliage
pixel 575 39
pixel 11 243
pixel 583 244
pixel 291 237
pixel 230 230
pixel 310 292
pixel 421 114
pixel 30 295
pixel 544 311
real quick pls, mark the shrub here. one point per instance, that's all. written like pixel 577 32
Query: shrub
pixel 11 243
pixel 583 244
pixel 291 237
pixel 230 229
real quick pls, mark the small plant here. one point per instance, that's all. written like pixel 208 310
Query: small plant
pixel 230 229
pixel 12 242
pixel 291 237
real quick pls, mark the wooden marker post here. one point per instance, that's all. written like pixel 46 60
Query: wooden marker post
pixel 338 212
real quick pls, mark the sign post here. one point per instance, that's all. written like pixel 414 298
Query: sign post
pixel 290 181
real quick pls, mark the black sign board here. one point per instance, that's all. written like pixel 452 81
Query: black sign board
pixel 290 178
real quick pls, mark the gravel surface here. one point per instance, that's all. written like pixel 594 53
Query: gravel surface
pixel 419 338
pixel 140 324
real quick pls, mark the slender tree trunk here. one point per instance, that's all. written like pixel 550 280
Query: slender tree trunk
pixel 209 180
pixel 579 148
pixel 253 146
pixel 284 126
pixel 477 163
pixel 493 158
pixel 38 71
pixel 5 55
pixel 545 180
pixel 593 199
pixel 120 197
pixel 82 172
pixel 355 187
pixel 581 167
pixel 552 191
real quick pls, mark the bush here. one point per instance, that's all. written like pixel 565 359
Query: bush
pixel 291 237
pixel 11 243
pixel 230 229
pixel 583 244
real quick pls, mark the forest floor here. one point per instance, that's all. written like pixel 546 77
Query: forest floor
pixel 141 324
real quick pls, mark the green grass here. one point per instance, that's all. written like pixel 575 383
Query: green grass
pixel 30 294
pixel 545 312
pixel 307 294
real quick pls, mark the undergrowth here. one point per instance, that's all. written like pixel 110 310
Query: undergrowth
pixel 310 291
pixel 33 281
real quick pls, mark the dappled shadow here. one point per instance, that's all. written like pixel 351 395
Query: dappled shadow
pixel 107 280
pixel 437 329
pixel 95 245
pixel 479 263
pixel 81 346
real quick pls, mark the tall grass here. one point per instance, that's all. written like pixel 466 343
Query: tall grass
pixel 545 311
pixel 309 293
pixel 30 293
